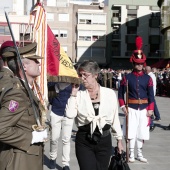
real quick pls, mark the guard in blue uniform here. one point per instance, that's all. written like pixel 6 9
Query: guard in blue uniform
pixel 140 102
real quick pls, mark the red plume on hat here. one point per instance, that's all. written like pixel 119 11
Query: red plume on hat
pixel 138 56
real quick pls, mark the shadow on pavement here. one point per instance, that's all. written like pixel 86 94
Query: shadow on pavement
pixel 160 126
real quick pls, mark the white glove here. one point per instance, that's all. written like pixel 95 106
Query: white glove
pixel 39 136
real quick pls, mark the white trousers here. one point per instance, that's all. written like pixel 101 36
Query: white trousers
pixel 58 124
pixel 138 125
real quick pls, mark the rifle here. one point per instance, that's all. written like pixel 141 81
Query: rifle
pixel 127 123
pixel 39 127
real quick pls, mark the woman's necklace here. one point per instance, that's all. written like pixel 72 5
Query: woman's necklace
pixel 95 97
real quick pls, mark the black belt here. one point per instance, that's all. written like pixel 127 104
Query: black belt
pixel 105 132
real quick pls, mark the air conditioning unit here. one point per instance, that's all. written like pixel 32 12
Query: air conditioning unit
pixel 101 5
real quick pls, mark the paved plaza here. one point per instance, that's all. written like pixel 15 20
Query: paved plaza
pixel 156 150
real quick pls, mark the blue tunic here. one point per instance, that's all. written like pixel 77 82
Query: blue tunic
pixel 140 87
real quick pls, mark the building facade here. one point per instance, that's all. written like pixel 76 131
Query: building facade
pixel 91 33
pixel 80 27
pixel 18 14
pixel 91 29
pixel 165 26
pixel 129 19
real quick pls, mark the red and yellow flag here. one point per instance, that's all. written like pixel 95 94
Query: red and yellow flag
pixel 56 65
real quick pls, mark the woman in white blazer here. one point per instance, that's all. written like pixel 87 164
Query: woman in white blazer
pixel 95 110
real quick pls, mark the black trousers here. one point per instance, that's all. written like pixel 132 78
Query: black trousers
pixel 92 156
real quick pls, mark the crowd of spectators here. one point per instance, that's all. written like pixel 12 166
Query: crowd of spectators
pixel 111 78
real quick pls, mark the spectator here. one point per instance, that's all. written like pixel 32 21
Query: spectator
pixel 59 122
pixel 95 110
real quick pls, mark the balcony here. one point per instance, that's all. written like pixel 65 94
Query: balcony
pixel 115 19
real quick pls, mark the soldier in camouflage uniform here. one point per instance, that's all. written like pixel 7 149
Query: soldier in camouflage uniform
pixel 21 147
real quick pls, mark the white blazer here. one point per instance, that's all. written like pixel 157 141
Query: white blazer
pixel 82 110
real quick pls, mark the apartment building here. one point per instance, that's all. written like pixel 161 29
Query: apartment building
pixel 17 14
pixel 128 19
pixel 91 34
pixel 80 29
pixel 79 26
pixel 165 26
pixel 104 31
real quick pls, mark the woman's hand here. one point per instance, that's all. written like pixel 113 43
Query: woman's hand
pixel 75 88
pixel 120 146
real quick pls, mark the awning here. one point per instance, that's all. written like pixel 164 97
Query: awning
pixel 163 63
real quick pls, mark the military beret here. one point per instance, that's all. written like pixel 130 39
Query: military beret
pixel 28 51
pixel 7 49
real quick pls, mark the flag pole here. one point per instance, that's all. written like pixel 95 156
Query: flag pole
pixel 127 124
pixel 39 128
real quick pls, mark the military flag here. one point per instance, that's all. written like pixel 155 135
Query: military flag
pixel 56 65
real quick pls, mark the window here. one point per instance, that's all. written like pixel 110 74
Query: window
pixel 85 21
pixel 55 32
pixel 154 23
pixel 91 35
pixel 84 35
pixel 98 35
pixel 131 30
pixel 116 47
pixel 130 39
pixel 51 2
pixel 99 19
pixel 63 33
pixel 7 32
pixel 154 48
pixel 132 14
pixel 92 19
pixel 4 30
pixel 131 47
pixel 63 17
pixel 154 39
pixel 50 17
pixel 85 38
pixel 116 15
pixel 84 18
